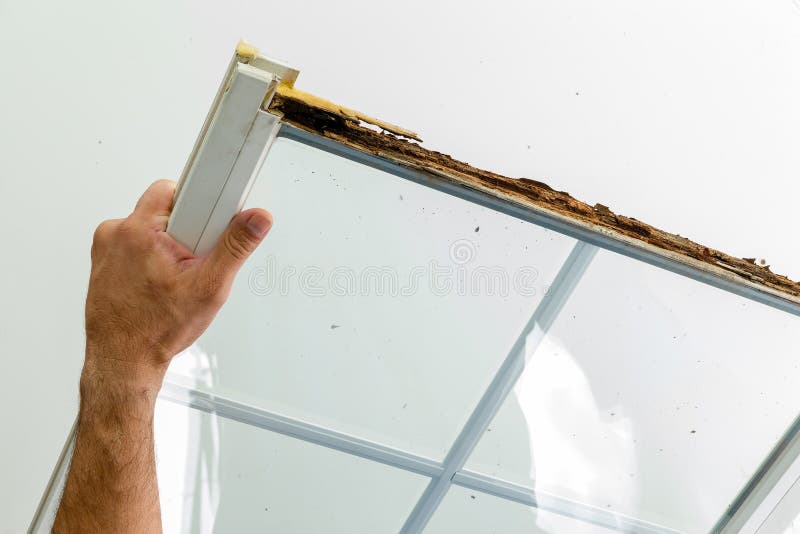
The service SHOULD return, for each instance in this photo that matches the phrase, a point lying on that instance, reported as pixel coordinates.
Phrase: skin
(149, 298)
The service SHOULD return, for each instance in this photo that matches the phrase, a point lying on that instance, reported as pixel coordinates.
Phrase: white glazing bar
(764, 489)
(540, 322)
(783, 515)
(178, 393)
(237, 411)
(556, 504)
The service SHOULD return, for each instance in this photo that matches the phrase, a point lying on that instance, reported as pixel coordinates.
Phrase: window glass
(652, 395)
(218, 475)
(376, 306)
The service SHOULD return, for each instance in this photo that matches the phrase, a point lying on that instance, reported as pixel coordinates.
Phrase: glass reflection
(653, 396)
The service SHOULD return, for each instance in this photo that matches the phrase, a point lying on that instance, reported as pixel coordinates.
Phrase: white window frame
(758, 500)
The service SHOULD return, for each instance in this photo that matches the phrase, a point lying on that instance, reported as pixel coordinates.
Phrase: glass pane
(653, 395)
(217, 475)
(367, 309)
(469, 512)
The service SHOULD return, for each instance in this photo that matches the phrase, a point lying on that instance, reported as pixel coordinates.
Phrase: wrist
(114, 401)
(131, 375)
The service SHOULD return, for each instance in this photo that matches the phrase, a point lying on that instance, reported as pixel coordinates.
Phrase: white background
(682, 114)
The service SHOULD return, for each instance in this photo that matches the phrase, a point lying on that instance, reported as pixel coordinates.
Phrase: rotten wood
(524, 191)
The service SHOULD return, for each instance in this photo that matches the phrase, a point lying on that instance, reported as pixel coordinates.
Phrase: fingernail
(258, 225)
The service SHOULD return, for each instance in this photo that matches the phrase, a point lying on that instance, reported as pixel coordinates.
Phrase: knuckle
(102, 235)
(102, 230)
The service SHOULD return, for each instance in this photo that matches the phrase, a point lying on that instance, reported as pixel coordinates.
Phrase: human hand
(149, 297)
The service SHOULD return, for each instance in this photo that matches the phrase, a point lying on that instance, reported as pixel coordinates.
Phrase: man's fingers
(157, 200)
(244, 233)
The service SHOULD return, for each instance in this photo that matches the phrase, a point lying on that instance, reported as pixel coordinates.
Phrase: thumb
(244, 233)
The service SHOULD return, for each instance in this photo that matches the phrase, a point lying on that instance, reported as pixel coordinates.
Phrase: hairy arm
(149, 298)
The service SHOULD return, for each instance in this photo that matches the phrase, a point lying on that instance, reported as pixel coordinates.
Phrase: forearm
(149, 299)
(111, 486)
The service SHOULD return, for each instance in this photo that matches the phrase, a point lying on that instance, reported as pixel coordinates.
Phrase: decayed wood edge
(533, 195)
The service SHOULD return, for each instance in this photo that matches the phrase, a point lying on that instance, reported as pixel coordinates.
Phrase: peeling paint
(304, 114)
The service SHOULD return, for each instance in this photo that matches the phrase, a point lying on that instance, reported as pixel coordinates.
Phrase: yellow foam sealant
(246, 50)
(331, 107)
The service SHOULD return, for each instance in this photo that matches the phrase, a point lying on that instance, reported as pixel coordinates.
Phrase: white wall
(683, 114)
